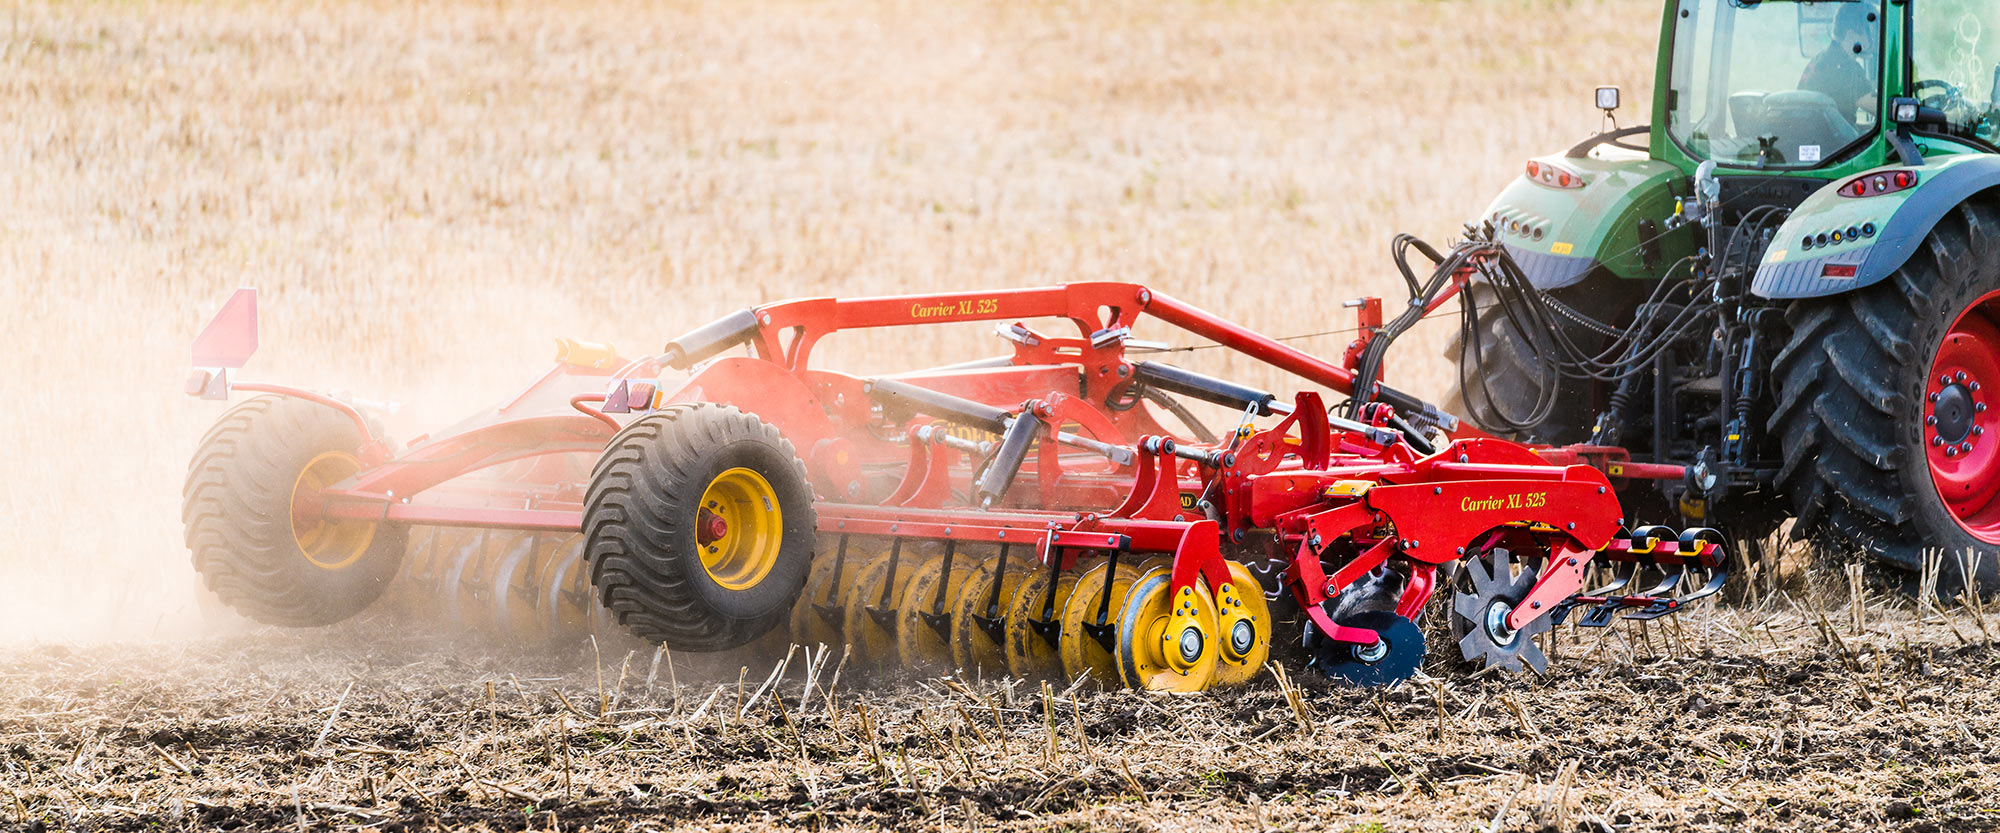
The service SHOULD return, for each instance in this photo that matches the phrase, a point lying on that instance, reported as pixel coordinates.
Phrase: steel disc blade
(1403, 655)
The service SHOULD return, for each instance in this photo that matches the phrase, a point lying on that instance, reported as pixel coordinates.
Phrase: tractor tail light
(1553, 176)
(1875, 184)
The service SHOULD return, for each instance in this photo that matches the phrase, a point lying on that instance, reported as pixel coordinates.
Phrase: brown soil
(1729, 719)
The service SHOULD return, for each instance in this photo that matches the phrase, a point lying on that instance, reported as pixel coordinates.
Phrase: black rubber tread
(1512, 376)
(638, 523)
(236, 510)
(1851, 382)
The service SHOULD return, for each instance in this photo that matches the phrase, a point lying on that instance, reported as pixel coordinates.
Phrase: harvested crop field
(1732, 719)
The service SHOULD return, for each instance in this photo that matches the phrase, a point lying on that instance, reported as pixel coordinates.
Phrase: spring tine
(1601, 615)
(1618, 581)
(1670, 578)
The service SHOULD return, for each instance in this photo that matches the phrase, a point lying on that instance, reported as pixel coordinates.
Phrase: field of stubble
(427, 194)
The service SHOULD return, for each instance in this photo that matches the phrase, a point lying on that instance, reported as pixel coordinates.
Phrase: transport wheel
(699, 527)
(973, 647)
(1168, 641)
(1485, 592)
(250, 508)
(1030, 653)
(1244, 620)
(869, 621)
(1886, 415)
(816, 616)
(923, 619)
(1393, 658)
(1096, 590)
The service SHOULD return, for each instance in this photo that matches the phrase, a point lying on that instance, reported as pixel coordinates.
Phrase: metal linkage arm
(1208, 388)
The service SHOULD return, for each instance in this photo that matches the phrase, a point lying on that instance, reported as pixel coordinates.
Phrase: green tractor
(1791, 287)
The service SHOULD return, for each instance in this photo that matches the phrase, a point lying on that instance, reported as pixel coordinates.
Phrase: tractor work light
(1878, 183)
(1607, 98)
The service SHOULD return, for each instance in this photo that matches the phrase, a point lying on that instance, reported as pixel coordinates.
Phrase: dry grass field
(427, 194)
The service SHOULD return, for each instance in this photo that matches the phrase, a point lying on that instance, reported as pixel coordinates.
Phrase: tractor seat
(1805, 119)
(1746, 113)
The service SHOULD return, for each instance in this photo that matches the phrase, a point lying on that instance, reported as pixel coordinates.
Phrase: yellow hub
(1167, 641)
(971, 647)
(917, 642)
(739, 527)
(329, 544)
(1244, 625)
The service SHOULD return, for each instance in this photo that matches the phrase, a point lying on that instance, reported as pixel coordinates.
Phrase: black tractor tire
(641, 517)
(1504, 378)
(237, 511)
(1852, 381)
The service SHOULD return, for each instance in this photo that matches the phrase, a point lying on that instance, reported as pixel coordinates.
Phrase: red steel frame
(1303, 482)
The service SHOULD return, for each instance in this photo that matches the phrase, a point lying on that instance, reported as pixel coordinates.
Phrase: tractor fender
(1611, 214)
(1890, 227)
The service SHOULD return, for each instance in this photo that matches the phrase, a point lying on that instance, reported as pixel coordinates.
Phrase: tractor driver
(1844, 71)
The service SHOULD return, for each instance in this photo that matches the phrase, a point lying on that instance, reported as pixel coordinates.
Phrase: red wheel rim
(1961, 434)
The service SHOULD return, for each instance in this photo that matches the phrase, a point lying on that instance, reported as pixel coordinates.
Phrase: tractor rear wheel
(1883, 392)
(699, 527)
(1499, 383)
(248, 511)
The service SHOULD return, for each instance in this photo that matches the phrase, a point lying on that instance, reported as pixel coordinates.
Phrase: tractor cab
(1774, 85)
(1808, 86)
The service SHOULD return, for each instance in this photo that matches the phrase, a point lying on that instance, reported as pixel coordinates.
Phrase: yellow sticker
(1349, 488)
(1775, 255)
(1561, 248)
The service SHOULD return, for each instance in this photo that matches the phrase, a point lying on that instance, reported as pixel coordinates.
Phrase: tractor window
(1774, 85)
(1955, 52)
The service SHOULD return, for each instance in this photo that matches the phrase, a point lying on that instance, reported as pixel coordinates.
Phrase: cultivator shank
(1058, 512)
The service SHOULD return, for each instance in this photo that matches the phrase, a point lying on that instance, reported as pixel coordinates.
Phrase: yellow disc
(1167, 640)
(918, 643)
(873, 642)
(816, 615)
(1029, 654)
(1244, 623)
(1082, 654)
(972, 647)
(741, 506)
(328, 544)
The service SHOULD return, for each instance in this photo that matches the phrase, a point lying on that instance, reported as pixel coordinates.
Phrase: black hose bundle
(1540, 321)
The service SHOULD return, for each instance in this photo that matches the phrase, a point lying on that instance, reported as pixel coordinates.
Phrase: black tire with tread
(1850, 383)
(639, 527)
(236, 510)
